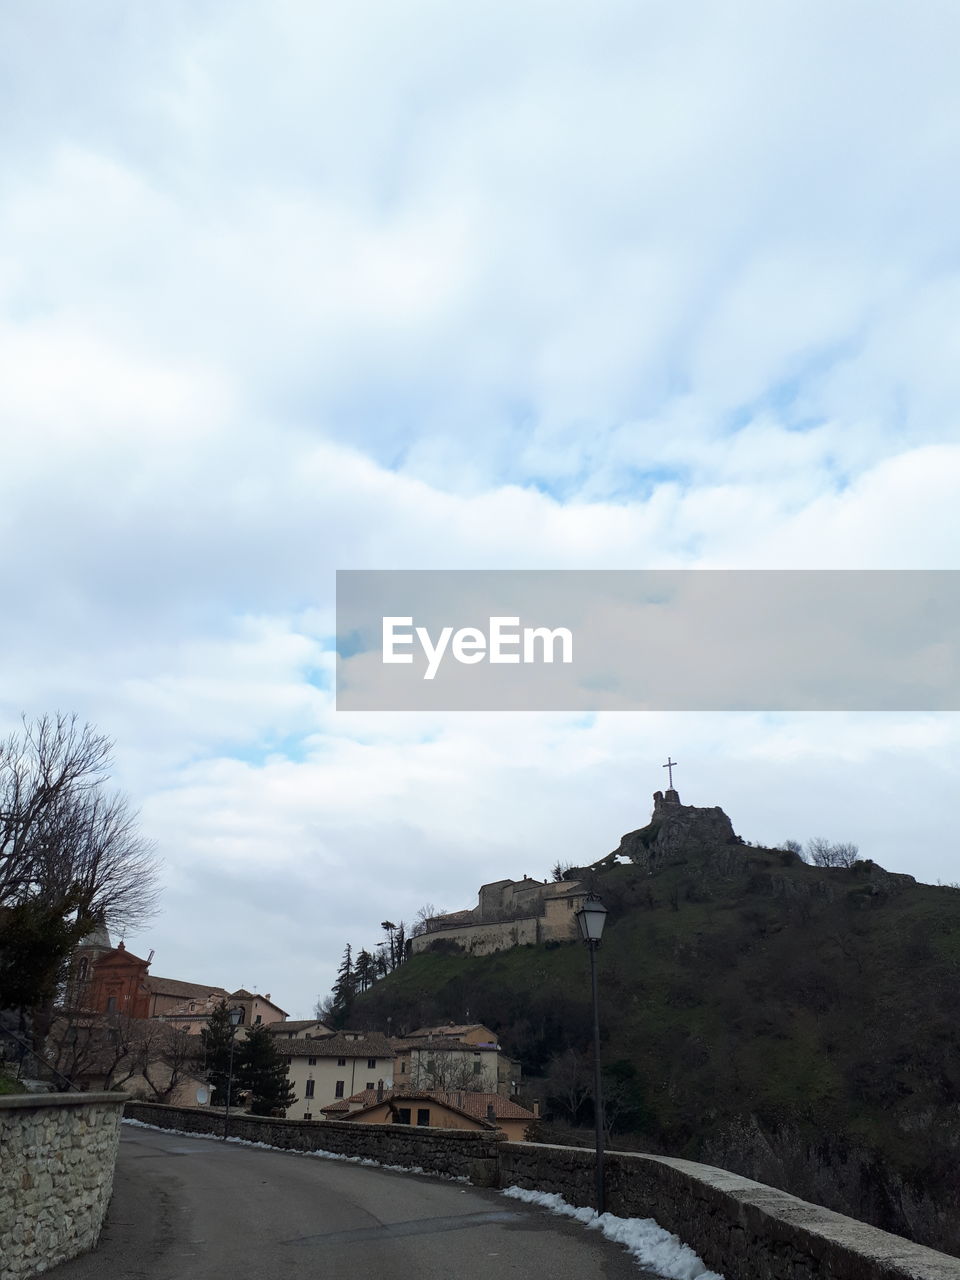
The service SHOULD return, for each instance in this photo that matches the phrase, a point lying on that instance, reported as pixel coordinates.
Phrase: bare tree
(50, 762)
(824, 854)
(569, 1081)
(71, 857)
(421, 921)
(445, 1069)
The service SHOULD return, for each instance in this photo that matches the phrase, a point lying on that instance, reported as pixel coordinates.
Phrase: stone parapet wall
(741, 1228)
(57, 1157)
(453, 1152)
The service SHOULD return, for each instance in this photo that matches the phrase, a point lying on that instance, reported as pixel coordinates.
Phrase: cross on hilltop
(670, 766)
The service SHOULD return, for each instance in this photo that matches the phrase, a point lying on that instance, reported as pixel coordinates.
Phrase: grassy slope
(750, 986)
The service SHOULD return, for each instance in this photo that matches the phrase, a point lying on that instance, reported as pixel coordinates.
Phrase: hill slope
(795, 1024)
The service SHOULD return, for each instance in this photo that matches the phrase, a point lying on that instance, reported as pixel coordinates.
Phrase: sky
(299, 287)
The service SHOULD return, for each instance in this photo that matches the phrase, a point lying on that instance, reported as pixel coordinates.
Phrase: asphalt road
(196, 1209)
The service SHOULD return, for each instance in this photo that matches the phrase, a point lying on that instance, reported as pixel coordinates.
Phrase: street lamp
(234, 1016)
(590, 920)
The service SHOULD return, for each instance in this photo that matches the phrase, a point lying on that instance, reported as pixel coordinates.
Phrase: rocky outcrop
(674, 832)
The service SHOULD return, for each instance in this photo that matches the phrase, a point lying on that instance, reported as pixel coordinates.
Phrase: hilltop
(795, 1023)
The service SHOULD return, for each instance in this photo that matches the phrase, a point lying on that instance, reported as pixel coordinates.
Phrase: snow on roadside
(645, 1239)
(290, 1151)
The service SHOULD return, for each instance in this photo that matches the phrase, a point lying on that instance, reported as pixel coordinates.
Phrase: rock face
(675, 831)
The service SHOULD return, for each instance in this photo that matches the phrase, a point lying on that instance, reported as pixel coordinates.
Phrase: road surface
(195, 1209)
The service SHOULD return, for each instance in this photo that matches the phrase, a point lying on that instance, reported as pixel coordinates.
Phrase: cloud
(389, 286)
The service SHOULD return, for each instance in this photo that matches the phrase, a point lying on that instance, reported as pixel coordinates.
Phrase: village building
(455, 1057)
(436, 1109)
(324, 1068)
(300, 1029)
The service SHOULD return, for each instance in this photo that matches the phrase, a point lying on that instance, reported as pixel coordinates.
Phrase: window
(111, 1004)
(84, 965)
(372, 1064)
(370, 1084)
(308, 1092)
(423, 1115)
(243, 1016)
(256, 1020)
(307, 1115)
(477, 1066)
(403, 1115)
(311, 1062)
(341, 1062)
(431, 1065)
(403, 1066)
(338, 1092)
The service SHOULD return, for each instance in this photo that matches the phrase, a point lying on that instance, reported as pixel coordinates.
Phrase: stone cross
(670, 766)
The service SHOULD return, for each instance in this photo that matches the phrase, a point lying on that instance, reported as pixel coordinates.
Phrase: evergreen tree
(365, 969)
(216, 1055)
(264, 1072)
(344, 989)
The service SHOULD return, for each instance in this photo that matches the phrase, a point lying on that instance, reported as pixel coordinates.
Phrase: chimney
(491, 1114)
(267, 996)
(535, 1108)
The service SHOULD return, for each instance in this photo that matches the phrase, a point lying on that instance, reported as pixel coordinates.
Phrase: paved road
(194, 1209)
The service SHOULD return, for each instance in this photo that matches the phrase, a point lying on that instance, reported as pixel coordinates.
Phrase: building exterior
(450, 1062)
(115, 982)
(301, 1029)
(323, 1069)
(438, 1109)
(194, 1014)
(509, 913)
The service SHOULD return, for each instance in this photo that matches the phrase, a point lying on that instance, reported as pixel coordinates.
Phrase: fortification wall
(57, 1157)
(484, 939)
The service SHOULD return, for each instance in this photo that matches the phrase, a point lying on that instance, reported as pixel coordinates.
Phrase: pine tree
(344, 989)
(365, 969)
(264, 1072)
(217, 1036)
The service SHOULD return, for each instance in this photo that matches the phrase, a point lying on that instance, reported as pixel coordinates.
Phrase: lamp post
(590, 920)
(234, 1015)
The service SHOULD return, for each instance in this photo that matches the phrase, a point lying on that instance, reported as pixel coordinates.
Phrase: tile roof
(173, 987)
(300, 1024)
(471, 1104)
(373, 1044)
(450, 1029)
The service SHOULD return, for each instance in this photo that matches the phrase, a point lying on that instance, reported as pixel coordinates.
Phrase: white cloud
(372, 285)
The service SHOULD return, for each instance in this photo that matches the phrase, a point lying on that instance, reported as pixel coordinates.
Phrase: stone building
(509, 913)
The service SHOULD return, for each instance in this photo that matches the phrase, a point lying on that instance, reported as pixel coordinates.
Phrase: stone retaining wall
(57, 1156)
(455, 1153)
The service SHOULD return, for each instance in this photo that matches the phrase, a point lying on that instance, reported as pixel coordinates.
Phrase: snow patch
(649, 1243)
(290, 1151)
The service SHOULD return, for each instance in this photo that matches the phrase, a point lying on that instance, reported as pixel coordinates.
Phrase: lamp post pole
(590, 919)
(593, 944)
(234, 1016)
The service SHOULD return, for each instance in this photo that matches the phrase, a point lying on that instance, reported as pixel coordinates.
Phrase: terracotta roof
(299, 1025)
(174, 987)
(372, 1045)
(445, 1046)
(471, 1104)
(450, 1029)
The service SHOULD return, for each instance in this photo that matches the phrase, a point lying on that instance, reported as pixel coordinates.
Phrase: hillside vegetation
(793, 1023)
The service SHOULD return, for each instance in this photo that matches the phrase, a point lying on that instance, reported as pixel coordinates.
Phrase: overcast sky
(293, 287)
